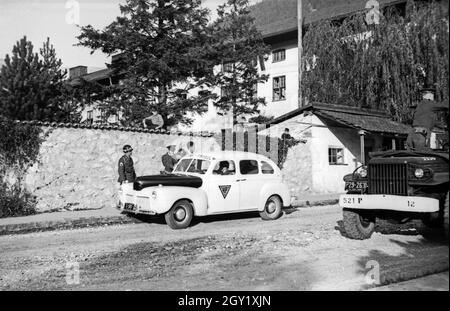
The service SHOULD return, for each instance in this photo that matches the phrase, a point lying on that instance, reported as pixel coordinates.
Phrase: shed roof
(373, 121)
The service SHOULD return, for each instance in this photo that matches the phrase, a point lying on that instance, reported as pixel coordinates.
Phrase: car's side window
(248, 167)
(225, 167)
(266, 168)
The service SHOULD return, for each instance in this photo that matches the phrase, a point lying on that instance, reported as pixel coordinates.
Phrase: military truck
(399, 186)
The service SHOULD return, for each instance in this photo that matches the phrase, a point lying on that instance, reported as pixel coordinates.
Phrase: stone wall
(77, 168)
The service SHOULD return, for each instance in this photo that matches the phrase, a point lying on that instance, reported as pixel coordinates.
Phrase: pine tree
(239, 46)
(32, 85)
(162, 47)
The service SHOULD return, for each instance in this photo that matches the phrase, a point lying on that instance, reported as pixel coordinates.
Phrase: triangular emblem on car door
(225, 190)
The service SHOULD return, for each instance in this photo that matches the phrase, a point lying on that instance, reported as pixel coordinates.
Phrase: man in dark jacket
(169, 160)
(126, 166)
(424, 121)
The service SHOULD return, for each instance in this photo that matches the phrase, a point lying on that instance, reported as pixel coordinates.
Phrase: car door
(250, 183)
(223, 189)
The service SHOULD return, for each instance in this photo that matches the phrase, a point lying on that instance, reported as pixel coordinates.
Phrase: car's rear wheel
(272, 208)
(358, 225)
(180, 215)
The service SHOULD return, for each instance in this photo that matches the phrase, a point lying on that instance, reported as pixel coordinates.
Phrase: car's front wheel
(180, 215)
(272, 208)
(358, 225)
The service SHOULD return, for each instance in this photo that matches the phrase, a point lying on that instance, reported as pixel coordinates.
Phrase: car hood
(167, 180)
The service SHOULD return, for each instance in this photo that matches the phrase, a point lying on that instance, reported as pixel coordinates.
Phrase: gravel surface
(303, 250)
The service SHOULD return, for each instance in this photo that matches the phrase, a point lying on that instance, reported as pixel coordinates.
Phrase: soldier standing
(126, 166)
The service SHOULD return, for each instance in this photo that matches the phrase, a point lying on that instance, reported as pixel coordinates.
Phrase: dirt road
(303, 250)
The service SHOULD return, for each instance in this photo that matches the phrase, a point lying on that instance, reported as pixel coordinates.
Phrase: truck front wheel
(358, 225)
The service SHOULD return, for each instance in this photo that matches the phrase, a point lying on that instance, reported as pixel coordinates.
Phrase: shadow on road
(414, 228)
(413, 259)
(204, 219)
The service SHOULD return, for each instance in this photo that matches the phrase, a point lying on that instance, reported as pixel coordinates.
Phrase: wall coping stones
(114, 128)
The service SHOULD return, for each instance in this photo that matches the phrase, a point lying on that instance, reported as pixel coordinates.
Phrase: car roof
(228, 155)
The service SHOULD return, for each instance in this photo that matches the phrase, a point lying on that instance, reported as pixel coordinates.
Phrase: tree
(239, 45)
(378, 66)
(32, 85)
(161, 57)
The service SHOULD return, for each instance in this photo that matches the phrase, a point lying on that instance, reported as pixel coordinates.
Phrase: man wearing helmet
(126, 166)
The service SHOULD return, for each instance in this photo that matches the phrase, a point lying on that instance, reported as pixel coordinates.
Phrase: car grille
(388, 179)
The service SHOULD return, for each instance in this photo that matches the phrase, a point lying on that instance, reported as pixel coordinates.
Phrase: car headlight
(154, 195)
(418, 173)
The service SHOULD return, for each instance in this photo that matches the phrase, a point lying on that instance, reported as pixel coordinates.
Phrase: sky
(39, 19)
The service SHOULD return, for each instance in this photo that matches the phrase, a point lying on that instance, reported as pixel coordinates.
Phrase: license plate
(356, 185)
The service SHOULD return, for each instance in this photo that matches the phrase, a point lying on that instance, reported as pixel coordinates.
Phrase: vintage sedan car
(208, 184)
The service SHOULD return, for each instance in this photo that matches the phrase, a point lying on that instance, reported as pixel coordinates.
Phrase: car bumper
(129, 202)
(389, 202)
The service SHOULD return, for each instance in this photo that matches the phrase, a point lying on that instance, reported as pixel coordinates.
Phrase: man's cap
(168, 146)
(127, 148)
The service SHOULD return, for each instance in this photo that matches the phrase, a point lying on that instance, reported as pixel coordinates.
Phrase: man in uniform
(126, 166)
(424, 121)
(169, 160)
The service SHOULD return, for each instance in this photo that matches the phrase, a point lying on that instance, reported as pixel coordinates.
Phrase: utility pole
(300, 49)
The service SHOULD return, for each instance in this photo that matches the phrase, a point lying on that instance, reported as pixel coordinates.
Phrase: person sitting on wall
(168, 160)
(154, 122)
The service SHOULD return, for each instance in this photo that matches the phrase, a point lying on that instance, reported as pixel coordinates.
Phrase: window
(225, 92)
(266, 168)
(198, 166)
(278, 55)
(224, 168)
(335, 156)
(279, 88)
(203, 93)
(248, 167)
(227, 67)
(90, 115)
(183, 165)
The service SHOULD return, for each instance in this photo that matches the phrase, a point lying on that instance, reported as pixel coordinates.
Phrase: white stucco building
(338, 140)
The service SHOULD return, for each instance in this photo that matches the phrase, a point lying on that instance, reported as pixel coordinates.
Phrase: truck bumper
(389, 202)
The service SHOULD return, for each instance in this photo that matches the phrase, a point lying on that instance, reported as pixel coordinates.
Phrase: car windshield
(196, 166)
(183, 165)
(199, 166)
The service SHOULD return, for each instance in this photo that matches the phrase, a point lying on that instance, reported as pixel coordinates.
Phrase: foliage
(378, 66)
(238, 45)
(161, 47)
(32, 85)
(19, 148)
(14, 201)
(19, 144)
